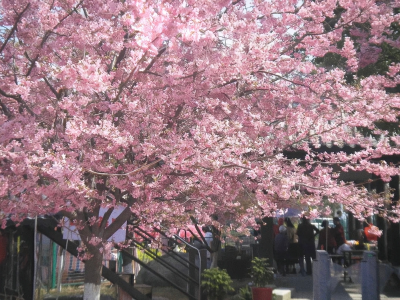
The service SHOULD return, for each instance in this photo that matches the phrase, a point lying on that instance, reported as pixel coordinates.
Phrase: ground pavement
(303, 288)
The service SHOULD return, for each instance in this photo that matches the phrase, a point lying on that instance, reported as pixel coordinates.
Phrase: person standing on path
(209, 239)
(306, 233)
(290, 231)
(213, 238)
(293, 248)
(326, 240)
(281, 247)
(338, 232)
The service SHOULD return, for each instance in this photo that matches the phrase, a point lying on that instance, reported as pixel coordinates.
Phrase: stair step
(144, 289)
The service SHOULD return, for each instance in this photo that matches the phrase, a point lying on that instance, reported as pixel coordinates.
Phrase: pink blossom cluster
(188, 108)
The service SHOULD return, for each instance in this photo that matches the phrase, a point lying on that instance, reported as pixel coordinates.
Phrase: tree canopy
(178, 108)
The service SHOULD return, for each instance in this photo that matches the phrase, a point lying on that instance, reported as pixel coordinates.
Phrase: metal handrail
(145, 266)
(164, 264)
(198, 252)
(141, 232)
(171, 252)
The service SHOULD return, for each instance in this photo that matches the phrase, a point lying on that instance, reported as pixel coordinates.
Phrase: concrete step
(283, 293)
(144, 289)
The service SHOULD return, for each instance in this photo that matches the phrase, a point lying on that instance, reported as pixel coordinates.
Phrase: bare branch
(129, 173)
(181, 174)
(288, 80)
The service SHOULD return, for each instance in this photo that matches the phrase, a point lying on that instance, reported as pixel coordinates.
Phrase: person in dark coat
(338, 232)
(281, 247)
(306, 233)
(326, 240)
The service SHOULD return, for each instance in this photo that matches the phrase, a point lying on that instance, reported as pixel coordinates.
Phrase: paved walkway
(303, 286)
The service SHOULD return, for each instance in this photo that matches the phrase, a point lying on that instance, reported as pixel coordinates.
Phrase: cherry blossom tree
(187, 108)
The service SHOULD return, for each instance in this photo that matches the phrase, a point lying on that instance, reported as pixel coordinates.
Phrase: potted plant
(216, 283)
(262, 275)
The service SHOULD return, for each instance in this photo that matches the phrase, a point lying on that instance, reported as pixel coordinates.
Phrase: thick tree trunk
(93, 269)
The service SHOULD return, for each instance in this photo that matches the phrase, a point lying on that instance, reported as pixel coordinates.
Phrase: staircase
(46, 227)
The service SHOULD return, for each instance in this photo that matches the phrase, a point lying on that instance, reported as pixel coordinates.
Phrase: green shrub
(216, 283)
(245, 293)
(261, 273)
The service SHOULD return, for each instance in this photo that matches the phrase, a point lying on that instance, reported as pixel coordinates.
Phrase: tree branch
(194, 74)
(70, 215)
(181, 174)
(6, 111)
(51, 88)
(47, 35)
(105, 219)
(19, 99)
(126, 174)
(160, 52)
(14, 27)
(118, 222)
(288, 80)
(124, 83)
(173, 120)
(151, 73)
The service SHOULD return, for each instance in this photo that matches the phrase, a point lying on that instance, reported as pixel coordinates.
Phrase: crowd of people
(293, 246)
